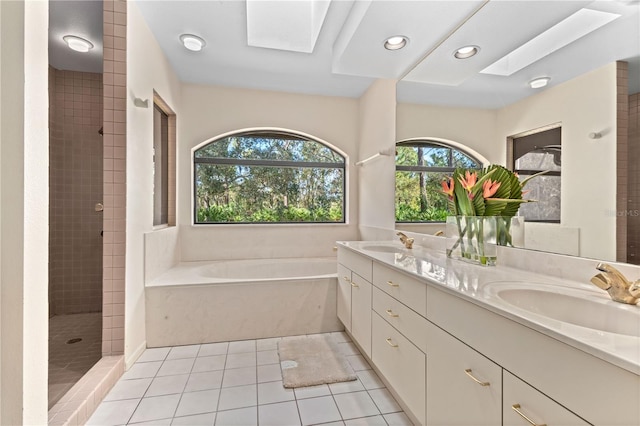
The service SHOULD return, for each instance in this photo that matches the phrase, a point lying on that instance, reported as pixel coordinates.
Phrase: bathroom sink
(569, 305)
(382, 248)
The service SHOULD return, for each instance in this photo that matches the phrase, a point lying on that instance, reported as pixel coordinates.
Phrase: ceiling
(348, 53)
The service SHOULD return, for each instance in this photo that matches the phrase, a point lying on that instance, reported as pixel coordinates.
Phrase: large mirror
(589, 54)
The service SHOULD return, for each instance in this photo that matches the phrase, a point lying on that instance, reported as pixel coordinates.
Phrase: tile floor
(69, 362)
(240, 383)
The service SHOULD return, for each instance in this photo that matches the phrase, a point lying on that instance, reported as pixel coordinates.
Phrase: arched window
(421, 166)
(268, 176)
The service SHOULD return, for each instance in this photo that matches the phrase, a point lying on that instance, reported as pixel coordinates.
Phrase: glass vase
(510, 231)
(472, 239)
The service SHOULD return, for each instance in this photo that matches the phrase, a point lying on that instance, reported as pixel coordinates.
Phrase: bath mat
(312, 360)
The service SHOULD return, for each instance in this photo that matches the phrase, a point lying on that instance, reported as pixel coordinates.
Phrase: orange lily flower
(489, 188)
(447, 187)
(469, 180)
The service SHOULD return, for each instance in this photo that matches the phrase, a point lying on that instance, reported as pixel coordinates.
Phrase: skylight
(563, 33)
(285, 25)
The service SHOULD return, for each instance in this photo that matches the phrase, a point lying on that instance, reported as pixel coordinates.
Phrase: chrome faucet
(616, 284)
(408, 242)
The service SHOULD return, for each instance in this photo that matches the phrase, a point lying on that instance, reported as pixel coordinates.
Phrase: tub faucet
(616, 284)
(408, 242)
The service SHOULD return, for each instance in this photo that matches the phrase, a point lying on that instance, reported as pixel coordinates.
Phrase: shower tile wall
(633, 219)
(75, 175)
(115, 187)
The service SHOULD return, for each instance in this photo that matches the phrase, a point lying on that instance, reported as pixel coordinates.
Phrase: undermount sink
(384, 248)
(574, 306)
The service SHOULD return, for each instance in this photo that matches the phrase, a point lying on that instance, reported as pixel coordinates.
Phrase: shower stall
(75, 226)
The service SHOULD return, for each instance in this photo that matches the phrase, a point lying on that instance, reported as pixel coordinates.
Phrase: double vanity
(461, 344)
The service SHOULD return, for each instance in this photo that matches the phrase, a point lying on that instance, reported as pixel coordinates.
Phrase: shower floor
(68, 362)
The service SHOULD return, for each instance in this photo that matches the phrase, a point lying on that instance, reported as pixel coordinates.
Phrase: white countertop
(481, 285)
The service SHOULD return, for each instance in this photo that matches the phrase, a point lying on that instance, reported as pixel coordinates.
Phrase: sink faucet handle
(600, 281)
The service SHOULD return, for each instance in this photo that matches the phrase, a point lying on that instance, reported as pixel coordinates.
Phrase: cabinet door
(463, 386)
(344, 296)
(525, 406)
(361, 312)
(401, 363)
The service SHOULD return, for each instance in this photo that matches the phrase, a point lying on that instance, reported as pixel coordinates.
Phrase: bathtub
(204, 302)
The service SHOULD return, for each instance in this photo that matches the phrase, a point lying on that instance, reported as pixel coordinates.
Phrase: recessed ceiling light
(77, 43)
(466, 52)
(539, 82)
(395, 42)
(192, 42)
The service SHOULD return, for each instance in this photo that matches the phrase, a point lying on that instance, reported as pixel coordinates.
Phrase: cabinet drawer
(407, 290)
(401, 363)
(343, 301)
(454, 396)
(531, 403)
(361, 265)
(406, 321)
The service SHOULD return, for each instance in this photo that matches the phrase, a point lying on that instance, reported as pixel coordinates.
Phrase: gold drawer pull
(390, 343)
(468, 373)
(346, 279)
(516, 408)
(392, 284)
(391, 314)
(354, 284)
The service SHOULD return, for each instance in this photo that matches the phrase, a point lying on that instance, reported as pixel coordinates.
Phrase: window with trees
(268, 177)
(421, 166)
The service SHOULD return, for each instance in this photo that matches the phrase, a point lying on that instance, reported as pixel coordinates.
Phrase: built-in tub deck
(204, 302)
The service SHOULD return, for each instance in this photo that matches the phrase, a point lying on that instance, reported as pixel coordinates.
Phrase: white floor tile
(269, 373)
(239, 377)
(176, 366)
(238, 397)
(370, 379)
(344, 387)
(154, 354)
(204, 381)
(268, 357)
(242, 417)
(167, 385)
(397, 419)
(267, 344)
(155, 408)
(179, 352)
(128, 389)
(312, 391)
(339, 423)
(198, 402)
(214, 349)
(318, 410)
(207, 419)
(245, 359)
(340, 336)
(358, 362)
(367, 421)
(280, 414)
(209, 363)
(354, 405)
(142, 370)
(242, 346)
(384, 401)
(160, 422)
(113, 412)
(271, 392)
(348, 348)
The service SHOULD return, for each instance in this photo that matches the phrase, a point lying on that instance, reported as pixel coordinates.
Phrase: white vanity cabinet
(463, 386)
(526, 406)
(354, 296)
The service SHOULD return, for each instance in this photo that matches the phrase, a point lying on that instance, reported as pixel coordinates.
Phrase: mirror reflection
(587, 201)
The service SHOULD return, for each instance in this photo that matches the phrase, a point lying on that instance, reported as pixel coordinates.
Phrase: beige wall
(474, 129)
(147, 70)
(583, 105)
(209, 111)
(24, 227)
(377, 127)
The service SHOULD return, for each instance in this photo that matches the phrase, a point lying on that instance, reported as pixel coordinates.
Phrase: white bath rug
(312, 360)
